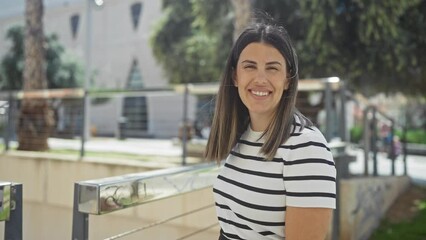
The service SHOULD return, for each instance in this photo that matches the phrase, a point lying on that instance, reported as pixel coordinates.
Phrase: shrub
(416, 136)
(356, 134)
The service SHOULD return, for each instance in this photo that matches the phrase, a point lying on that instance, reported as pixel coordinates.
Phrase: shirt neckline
(253, 135)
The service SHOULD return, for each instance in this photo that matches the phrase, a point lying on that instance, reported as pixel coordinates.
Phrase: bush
(356, 134)
(413, 229)
(2, 125)
(416, 136)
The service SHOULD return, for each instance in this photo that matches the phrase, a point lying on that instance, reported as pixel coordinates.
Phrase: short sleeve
(309, 172)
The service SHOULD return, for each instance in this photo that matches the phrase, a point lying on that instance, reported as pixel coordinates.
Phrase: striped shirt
(252, 194)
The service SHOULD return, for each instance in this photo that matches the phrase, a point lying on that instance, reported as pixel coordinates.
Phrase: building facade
(112, 38)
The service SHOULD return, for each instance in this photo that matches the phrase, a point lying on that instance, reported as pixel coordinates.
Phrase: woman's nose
(261, 76)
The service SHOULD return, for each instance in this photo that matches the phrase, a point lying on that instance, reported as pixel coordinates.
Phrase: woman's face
(261, 79)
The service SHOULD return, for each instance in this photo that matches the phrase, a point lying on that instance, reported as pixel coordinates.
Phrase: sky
(9, 8)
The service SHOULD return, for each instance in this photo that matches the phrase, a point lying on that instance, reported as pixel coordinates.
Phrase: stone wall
(364, 201)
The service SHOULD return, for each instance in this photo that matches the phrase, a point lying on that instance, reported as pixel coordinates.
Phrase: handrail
(338, 148)
(102, 196)
(370, 139)
(11, 209)
(194, 88)
(106, 195)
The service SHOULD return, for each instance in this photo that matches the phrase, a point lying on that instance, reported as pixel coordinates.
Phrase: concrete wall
(48, 183)
(165, 113)
(364, 201)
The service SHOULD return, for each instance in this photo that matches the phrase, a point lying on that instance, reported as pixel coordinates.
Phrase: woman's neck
(259, 122)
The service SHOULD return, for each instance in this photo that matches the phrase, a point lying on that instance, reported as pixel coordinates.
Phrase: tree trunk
(36, 117)
(242, 10)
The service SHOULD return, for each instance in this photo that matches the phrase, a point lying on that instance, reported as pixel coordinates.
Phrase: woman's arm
(307, 223)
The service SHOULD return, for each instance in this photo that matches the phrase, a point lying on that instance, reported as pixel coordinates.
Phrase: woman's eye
(272, 68)
(249, 67)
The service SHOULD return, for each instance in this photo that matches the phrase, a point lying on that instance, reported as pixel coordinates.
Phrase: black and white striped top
(252, 194)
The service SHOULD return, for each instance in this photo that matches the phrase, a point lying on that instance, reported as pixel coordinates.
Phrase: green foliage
(192, 39)
(366, 42)
(356, 134)
(2, 126)
(407, 230)
(12, 65)
(375, 45)
(412, 136)
(62, 69)
(416, 136)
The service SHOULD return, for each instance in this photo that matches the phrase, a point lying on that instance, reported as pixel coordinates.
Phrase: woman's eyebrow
(273, 62)
(248, 61)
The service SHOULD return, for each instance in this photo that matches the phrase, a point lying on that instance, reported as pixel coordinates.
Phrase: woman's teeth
(257, 93)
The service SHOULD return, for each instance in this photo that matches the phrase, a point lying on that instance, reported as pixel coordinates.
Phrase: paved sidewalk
(157, 147)
(416, 165)
(171, 148)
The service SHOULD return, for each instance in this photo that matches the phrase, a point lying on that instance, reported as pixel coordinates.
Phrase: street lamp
(99, 2)
(333, 80)
(88, 50)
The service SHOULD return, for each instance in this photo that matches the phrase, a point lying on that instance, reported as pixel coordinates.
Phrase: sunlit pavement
(416, 165)
(159, 147)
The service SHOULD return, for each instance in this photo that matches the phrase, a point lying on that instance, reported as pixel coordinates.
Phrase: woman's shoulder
(305, 133)
(306, 143)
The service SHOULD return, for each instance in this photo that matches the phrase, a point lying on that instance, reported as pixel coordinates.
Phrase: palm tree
(36, 117)
(242, 15)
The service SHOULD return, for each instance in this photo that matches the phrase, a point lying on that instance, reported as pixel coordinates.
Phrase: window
(135, 110)
(135, 10)
(74, 20)
(135, 80)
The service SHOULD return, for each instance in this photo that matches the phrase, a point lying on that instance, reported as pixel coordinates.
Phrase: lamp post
(85, 133)
(329, 120)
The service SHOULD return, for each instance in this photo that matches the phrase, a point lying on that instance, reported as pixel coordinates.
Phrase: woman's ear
(234, 78)
(287, 84)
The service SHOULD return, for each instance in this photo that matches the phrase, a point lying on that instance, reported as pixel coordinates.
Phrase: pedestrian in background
(278, 178)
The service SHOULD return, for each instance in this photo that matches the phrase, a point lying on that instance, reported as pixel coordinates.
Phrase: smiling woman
(278, 178)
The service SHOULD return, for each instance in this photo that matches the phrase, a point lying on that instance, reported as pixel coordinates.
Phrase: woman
(278, 180)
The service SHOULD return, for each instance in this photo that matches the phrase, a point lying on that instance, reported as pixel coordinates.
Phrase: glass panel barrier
(111, 194)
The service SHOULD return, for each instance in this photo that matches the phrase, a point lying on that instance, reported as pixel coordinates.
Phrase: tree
(13, 63)
(374, 45)
(36, 117)
(365, 42)
(242, 9)
(63, 70)
(192, 39)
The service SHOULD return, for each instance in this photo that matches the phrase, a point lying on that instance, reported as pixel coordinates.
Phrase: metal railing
(106, 195)
(11, 210)
(370, 140)
(131, 114)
